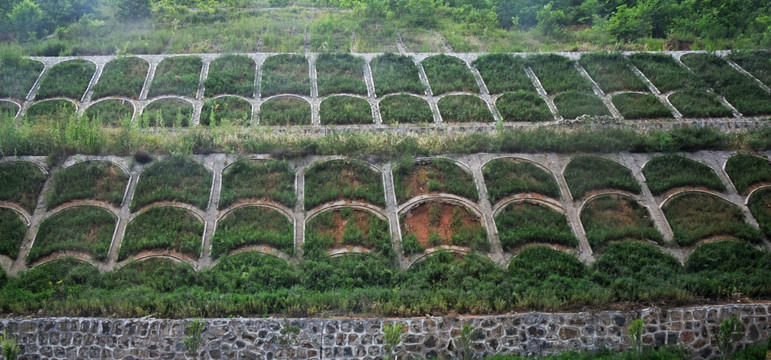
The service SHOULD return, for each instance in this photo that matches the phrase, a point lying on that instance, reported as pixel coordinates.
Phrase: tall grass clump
(447, 74)
(505, 177)
(50, 113)
(177, 178)
(664, 71)
(249, 273)
(503, 73)
(614, 217)
(611, 72)
(224, 110)
(66, 79)
(8, 109)
(340, 73)
(558, 74)
(405, 109)
(667, 172)
(572, 104)
(342, 179)
(12, 230)
(464, 109)
(523, 106)
(345, 110)
(285, 74)
(760, 206)
(232, 75)
(696, 216)
(163, 228)
(96, 180)
(347, 227)
(110, 112)
(253, 225)
(124, 76)
(640, 106)
(698, 103)
(285, 111)
(177, 75)
(171, 113)
(522, 223)
(271, 180)
(728, 268)
(746, 170)
(413, 178)
(394, 73)
(755, 62)
(17, 74)
(81, 228)
(21, 182)
(587, 173)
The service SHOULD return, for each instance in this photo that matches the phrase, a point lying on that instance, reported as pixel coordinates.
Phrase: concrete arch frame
(356, 205)
(265, 249)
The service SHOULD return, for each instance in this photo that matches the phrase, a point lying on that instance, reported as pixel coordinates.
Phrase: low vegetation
(226, 110)
(747, 170)
(8, 109)
(667, 172)
(524, 222)
(634, 106)
(572, 104)
(68, 79)
(285, 74)
(179, 75)
(50, 113)
(177, 178)
(82, 228)
(611, 72)
(614, 217)
(760, 206)
(253, 225)
(755, 62)
(405, 109)
(664, 71)
(505, 177)
(558, 74)
(448, 74)
(21, 183)
(17, 75)
(12, 230)
(413, 179)
(345, 110)
(342, 179)
(728, 269)
(170, 113)
(523, 106)
(588, 173)
(346, 227)
(432, 224)
(340, 74)
(271, 180)
(696, 103)
(231, 75)
(503, 73)
(124, 76)
(285, 111)
(464, 109)
(396, 73)
(696, 216)
(164, 228)
(95, 180)
(110, 112)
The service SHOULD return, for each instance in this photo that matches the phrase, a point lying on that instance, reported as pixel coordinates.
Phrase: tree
(629, 23)
(132, 9)
(25, 19)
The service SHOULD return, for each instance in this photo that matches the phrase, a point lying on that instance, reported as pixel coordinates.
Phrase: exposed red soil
(337, 227)
(418, 221)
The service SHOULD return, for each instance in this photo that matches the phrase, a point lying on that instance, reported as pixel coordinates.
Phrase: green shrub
(285, 74)
(724, 268)
(522, 223)
(340, 73)
(345, 110)
(698, 103)
(396, 73)
(664, 71)
(454, 279)
(464, 109)
(8, 109)
(226, 110)
(558, 74)
(253, 225)
(412, 179)
(523, 106)
(667, 172)
(285, 111)
(349, 274)
(505, 177)
(640, 106)
(696, 216)
(572, 104)
(503, 73)
(81, 228)
(179, 75)
(406, 109)
(12, 230)
(265, 179)
(50, 113)
(163, 228)
(167, 113)
(17, 75)
(611, 72)
(614, 217)
(67, 79)
(232, 75)
(96, 180)
(158, 274)
(587, 173)
(747, 170)
(177, 178)
(124, 76)
(21, 183)
(760, 206)
(346, 227)
(447, 74)
(431, 224)
(110, 112)
(755, 62)
(248, 273)
(342, 179)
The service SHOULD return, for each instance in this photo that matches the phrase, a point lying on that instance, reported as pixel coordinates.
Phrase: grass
(124, 76)
(760, 206)
(523, 106)
(234, 32)
(729, 269)
(340, 73)
(271, 180)
(22, 182)
(81, 228)
(697, 216)
(179, 75)
(345, 110)
(396, 73)
(285, 111)
(614, 217)
(572, 104)
(346, 227)
(50, 113)
(664, 71)
(611, 72)
(177, 178)
(18, 75)
(449, 74)
(755, 62)
(667, 172)
(588, 173)
(12, 230)
(232, 75)
(163, 228)
(505, 177)
(226, 110)
(327, 34)
(464, 109)
(342, 179)
(405, 109)
(640, 106)
(110, 112)
(503, 73)
(253, 225)
(558, 74)
(746, 170)
(698, 104)
(95, 180)
(285, 74)
(66, 79)
(412, 179)
(8, 109)
(169, 112)
(432, 224)
(522, 223)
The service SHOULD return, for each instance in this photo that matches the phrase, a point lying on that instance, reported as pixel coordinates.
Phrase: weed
(438, 175)
(464, 109)
(169, 112)
(611, 72)
(640, 106)
(340, 73)
(404, 108)
(698, 103)
(664, 71)
(110, 112)
(727, 335)
(285, 74)
(503, 73)
(345, 110)
(760, 206)
(558, 74)
(50, 113)
(80, 228)
(755, 62)
(67, 79)
(17, 75)
(747, 170)
(667, 172)
(587, 173)
(635, 333)
(97, 180)
(523, 106)
(572, 104)
(22, 182)
(12, 230)
(448, 74)
(696, 216)
(267, 179)
(285, 111)
(396, 73)
(9, 346)
(392, 337)
(253, 225)
(232, 75)
(193, 336)
(174, 179)
(226, 110)
(235, 32)
(179, 75)
(124, 76)
(163, 228)
(342, 179)
(505, 177)
(613, 217)
(522, 223)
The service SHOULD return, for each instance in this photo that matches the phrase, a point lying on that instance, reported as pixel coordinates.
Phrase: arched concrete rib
(244, 203)
(325, 159)
(443, 198)
(342, 251)
(14, 102)
(520, 159)
(508, 256)
(157, 254)
(414, 259)
(131, 102)
(112, 160)
(532, 198)
(714, 193)
(755, 188)
(339, 204)
(33, 103)
(23, 214)
(83, 256)
(115, 211)
(200, 214)
(605, 192)
(263, 249)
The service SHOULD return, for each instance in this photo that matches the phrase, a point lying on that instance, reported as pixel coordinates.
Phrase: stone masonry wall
(362, 338)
